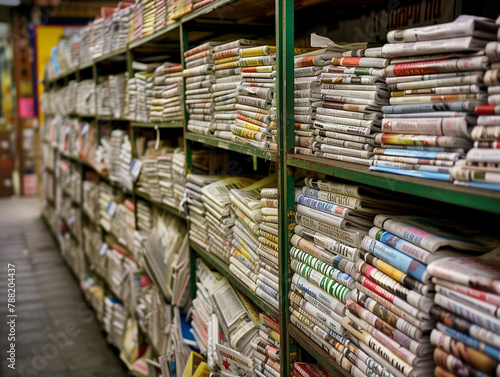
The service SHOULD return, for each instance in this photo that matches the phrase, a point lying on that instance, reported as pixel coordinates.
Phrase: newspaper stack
(114, 320)
(135, 97)
(266, 348)
(394, 283)
(171, 96)
(244, 260)
(179, 175)
(157, 102)
(308, 67)
(85, 98)
(84, 54)
(267, 251)
(467, 307)
(226, 78)
(481, 166)
(176, 9)
(255, 94)
(144, 216)
(120, 26)
(112, 157)
(200, 3)
(435, 86)
(116, 92)
(160, 14)
(144, 94)
(353, 91)
(199, 100)
(165, 176)
(97, 38)
(90, 200)
(105, 198)
(149, 181)
(148, 17)
(135, 25)
(125, 159)
(219, 215)
(198, 229)
(123, 223)
(325, 248)
(103, 99)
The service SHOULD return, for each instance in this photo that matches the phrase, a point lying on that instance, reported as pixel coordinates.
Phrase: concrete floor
(56, 334)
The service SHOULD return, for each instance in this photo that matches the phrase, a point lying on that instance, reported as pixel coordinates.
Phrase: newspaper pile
(179, 176)
(255, 94)
(86, 98)
(225, 324)
(325, 248)
(120, 26)
(467, 307)
(111, 95)
(123, 223)
(317, 370)
(113, 148)
(338, 112)
(198, 228)
(244, 261)
(266, 348)
(170, 98)
(97, 37)
(165, 176)
(176, 9)
(435, 83)
(160, 14)
(219, 215)
(144, 215)
(480, 168)
(226, 78)
(105, 198)
(90, 200)
(136, 97)
(199, 98)
(267, 250)
(135, 24)
(84, 55)
(114, 320)
(149, 180)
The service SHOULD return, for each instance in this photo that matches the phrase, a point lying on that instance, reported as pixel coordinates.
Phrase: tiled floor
(56, 333)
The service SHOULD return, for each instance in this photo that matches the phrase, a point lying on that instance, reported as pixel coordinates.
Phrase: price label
(103, 249)
(111, 208)
(135, 169)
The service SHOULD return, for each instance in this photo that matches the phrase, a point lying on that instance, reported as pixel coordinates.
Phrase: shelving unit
(185, 33)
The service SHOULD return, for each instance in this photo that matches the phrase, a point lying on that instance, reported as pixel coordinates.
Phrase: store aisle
(56, 334)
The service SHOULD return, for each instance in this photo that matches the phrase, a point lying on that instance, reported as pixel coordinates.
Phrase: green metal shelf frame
(485, 200)
(172, 124)
(223, 269)
(231, 146)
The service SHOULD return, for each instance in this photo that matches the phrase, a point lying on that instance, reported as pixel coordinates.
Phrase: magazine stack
(435, 83)
(467, 307)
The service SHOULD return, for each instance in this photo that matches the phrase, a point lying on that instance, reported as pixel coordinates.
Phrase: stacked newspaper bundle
(149, 180)
(394, 282)
(176, 9)
(250, 239)
(105, 198)
(198, 74)
(125, 159)
(255, 94)
(480, 168)
(90, 200)
(227, 77)
(120, 26)
(148, 17)
(308, 67)
(219, 215)
(123, 223)
(266, 348)
(331, 219)
(179, 175)
(135, 24)
(267, 251)
(114, 320)
(97, 38)
(135, 97)
(198, 229)
(171, 96)
(435, 82)
(165, 177)
(144, 216)
(116, 92)
(160, 14)
(225, 325)
(467, 307)
(157, 102)
(112, 157)
(85, 98)
(84, 54)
